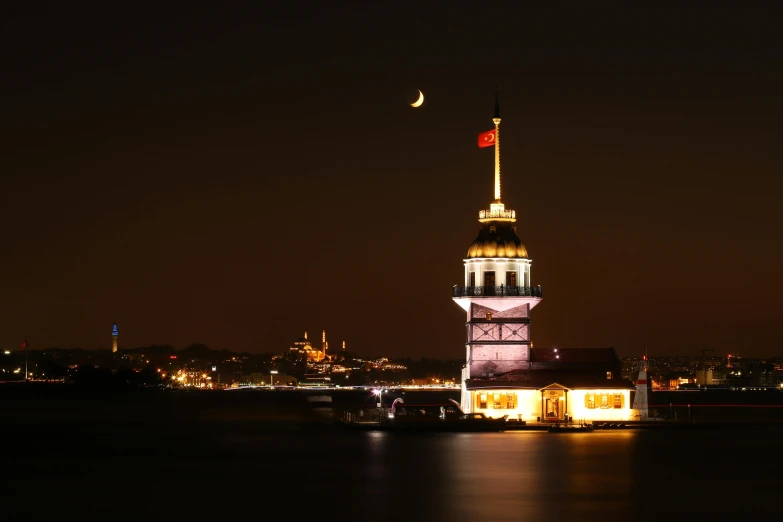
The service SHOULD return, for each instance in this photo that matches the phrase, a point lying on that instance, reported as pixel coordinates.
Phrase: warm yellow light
(418, 102)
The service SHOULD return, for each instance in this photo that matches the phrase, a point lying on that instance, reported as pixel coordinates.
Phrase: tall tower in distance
(497, 293)
(115, 334)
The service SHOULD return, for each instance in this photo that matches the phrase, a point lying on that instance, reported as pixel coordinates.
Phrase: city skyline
(235, 178)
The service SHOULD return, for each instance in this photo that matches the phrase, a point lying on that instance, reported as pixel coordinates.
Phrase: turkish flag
(23, 344)
(486, 139)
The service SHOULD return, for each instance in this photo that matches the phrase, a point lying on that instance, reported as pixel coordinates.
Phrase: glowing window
(590, 401)
(618, 400)
(482, 400)
(604, 401)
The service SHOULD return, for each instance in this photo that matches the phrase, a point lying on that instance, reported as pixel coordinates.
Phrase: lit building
(115, 335)
(503, 375)
(302, 349)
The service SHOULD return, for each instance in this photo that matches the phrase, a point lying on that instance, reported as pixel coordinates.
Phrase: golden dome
(497, 239)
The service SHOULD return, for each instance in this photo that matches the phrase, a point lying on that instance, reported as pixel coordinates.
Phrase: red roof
(537, 379)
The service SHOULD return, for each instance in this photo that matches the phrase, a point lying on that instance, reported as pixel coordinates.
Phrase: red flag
(486, 139)
(24, 344)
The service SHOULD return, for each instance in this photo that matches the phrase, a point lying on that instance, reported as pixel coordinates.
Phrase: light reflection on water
(505, 476)
(163, 470)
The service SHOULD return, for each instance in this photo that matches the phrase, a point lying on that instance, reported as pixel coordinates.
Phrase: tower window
(473, 279)
(489, 278)
(511, 279)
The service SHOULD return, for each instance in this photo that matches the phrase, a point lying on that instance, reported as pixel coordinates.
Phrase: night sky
(236, 177)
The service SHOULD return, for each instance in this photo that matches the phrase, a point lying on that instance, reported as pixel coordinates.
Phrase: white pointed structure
(497, 294)
(640, 400)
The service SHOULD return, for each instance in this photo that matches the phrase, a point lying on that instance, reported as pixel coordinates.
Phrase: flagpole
(496, 121)
(25, 359)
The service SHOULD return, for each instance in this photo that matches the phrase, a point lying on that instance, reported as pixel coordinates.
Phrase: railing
(497, 214)
(497, 291)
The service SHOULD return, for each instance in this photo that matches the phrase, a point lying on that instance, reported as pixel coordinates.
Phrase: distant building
(503, 374)
(303, 350)
(115, 336)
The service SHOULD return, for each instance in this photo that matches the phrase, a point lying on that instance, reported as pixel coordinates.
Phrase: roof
(497, 239)
(574, 355)
(537, 379)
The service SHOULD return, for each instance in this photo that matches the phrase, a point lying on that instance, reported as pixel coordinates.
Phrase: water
(201, 457)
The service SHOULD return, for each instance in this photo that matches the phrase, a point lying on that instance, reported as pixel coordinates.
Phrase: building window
(590, 401)
(511, 279)
(499, 401)
(618, 400)
(604, 401)
(473, 279)
(489, 278)
(608, 375)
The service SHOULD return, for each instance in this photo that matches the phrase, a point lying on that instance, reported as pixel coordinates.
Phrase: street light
(271, 379)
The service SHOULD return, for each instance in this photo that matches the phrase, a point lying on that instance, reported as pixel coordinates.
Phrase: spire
(496, 121)
(497, 210)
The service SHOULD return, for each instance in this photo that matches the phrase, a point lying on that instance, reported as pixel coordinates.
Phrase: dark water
(252, 457)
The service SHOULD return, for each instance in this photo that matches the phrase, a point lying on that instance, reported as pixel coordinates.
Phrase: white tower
(497, 294)
(640, 397)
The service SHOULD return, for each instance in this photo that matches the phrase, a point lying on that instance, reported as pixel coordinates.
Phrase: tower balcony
(497, 291)
(497, 212)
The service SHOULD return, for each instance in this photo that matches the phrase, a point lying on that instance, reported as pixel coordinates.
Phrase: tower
(115, 334)
(497, 294)
(640, 397)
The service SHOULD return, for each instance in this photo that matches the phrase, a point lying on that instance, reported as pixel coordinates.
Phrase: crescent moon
(418, 102)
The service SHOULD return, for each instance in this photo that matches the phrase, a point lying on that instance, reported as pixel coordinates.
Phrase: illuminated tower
(115, 334)
(497, 293)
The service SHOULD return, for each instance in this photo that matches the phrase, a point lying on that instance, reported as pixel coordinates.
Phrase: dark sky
(238, 176)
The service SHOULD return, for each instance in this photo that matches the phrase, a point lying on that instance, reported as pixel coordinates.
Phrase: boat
(434, 417)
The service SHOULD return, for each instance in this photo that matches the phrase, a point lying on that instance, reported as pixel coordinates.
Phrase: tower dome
(497, 239)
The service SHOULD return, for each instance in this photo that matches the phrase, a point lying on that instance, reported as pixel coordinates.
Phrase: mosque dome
(497, 239)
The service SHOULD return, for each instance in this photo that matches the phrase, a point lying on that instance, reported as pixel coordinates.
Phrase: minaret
(324, 344)
(497, 293)
(115, 335)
